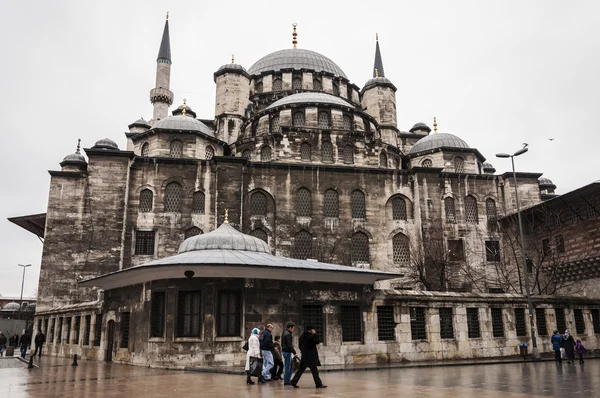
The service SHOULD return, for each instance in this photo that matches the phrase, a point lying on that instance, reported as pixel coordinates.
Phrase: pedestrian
(581, 350)
(14, 341)
(25, 343)
(3, 341)
(40, 339)
(266, 350)
(253, 352)
(556, 346)
(569, 346)
(310, 357)
(277, 368)
(288, 352)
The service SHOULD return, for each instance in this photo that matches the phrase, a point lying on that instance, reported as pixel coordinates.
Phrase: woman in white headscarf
(569, 346)
(253, 352)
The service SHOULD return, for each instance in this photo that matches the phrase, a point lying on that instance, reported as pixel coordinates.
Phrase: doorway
(110, 340)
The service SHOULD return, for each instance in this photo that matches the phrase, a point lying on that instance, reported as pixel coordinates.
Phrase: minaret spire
(160, 96)
(165, 45)
(378, 67)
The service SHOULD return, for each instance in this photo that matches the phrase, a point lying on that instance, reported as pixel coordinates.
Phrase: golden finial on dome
(78, 145)
(226, 216)
(167, 15)
(294, 35)
(232, 58)
(184, 107)
(434, 125)
(376, 73)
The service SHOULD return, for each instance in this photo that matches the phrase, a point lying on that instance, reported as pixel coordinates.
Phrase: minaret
(160, 96)
(378, 66)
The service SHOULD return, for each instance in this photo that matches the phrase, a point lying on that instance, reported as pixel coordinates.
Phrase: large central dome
(295, 58)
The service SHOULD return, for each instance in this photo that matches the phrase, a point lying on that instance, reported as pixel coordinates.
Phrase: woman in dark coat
(310, 357)
(569, 346)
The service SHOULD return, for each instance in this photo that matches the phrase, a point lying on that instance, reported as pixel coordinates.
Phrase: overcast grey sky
(497, 74)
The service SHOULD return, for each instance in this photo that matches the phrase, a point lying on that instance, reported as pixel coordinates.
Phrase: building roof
(76, 157)
(34, 223)
(225, 237)
(106, 143)
(320, 98)
(182, 123)
(11, 307)
(140, 123)
(440, 140)
(165, 44)
(378, 65)
(420, 126)
(378, 81)
(295, 58)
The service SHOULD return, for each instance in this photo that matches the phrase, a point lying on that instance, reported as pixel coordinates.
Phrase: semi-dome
(420, 126)
(106, 143)
(319, 98)
(435, 141)
(224, 238)
(295, 58)
(182, 123)
(12, 306)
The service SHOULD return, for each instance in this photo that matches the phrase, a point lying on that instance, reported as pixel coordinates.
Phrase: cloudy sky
(496, 74)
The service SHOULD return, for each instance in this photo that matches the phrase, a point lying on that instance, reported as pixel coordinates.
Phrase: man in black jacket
(40, 339)
(289, 353)
(266, 350)
(3, 341)
(25, 343)
(310, 357)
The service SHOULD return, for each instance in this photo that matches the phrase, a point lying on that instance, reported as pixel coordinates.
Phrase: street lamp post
(22, 285)
(534, 350)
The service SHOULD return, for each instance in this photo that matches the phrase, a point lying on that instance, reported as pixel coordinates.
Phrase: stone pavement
(56, 378)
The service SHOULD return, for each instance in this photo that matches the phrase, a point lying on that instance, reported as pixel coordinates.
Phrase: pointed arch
(173, 193)
(277, 84)
(260, 234)
(459, 165)
(348, 154)
(193, 231)
(297, 83)
(258, 204)
(358, 204)
(265, 154)
(347, 122)
(471, 213)
(145, 149)
(399, 211)
(209, 152)
(298, 119)
(305, 152)
(303, 245)
(383, 160)
(303, 203)
(176, 149)
(198, 202)
(331, 207)
(400, 249)
(146, 201)
(275, 125)
(359, 250)
(450, 209)
(327, 152)
(324, 120)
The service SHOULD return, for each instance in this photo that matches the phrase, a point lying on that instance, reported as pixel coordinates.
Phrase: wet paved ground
(56, 378)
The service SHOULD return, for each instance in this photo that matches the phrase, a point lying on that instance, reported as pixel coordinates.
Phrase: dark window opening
(596, 319)
(399, 209)
(312, 315)
(497, 322)
(68, 326)
(144, 243)
(360, 248)
(88, 330)
(385, 323)
(446, 323)
(260, 234)
(303, 245)
(188, 314)
(520, 323)
(473, 323)
(492, 250)
(229, 313)
(456, 250)
(146, 201)
(331, 204)
(351, 323)
(77, 329)
(540, 318)
(418, 329)
(60, 330)
(450, 210)
(125, 320)
(259, 204)
(98, 330)
(579, 321)
(157, 314)
(173, 193)
(358, 205)
(560, 244)
(561, 322)
(198, 202)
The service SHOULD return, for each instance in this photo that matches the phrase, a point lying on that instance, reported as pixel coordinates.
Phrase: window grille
(198, 202)
(327, 152)
(492, 250)
(303, 245)
(596, 319)
(275, 126)
(188, 314)
(459, 165)
(265, 154)
(497, 322)
(351, 323)
(193, 231)
(157, 314)
(579, 321)
(427, 163)
(209, 152)
(60, 330)
(349, 154)
(360, 248)
(450, 210)
(173, 193)
(520, 323)
(401, 249)
(317, 85)
(145, 149)
(456, 250)
(98, 330)
(561, 322)
(146, 200)
(357, 204)
(336, 88)
(331, 203)
(490, 210)
(51, 332)
(540, 319)
(323, 120)
(305, 152)
(303, 203)
(418, 328)
(312, 315)
(68, 326)
(176, 149)
(125, 321)
(229, 315)
(383, 160)
(298, 120)
(144, 243)
(77, 329)
(247, 153)
(471, 215)
(446, 323)
(560, 244)
(297, 83)
(591, 209)
(347, 122)
(398, 209)
(259, 204)
(258, 87)
(385, 323)
(88, 329)
(367, 125)
(260, 234)
(277, 84)
(473, 323)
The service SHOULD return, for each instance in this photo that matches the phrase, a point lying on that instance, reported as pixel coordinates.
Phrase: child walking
(580, 349)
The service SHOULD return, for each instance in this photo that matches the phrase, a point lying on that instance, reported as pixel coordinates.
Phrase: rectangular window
(596, 319)
(188, 314)
(60, 329)
(51, 332)
(473, 323)
(77, 329)
(492, 250)
(579, 321)
(313, 315)
(68, 326)
(98, 330)
(446, 323)
(540, 319)
(125, 318)
(88, 330)
(351, 323)
(417, 323)
(229, 312)
(546, 247)
(497, 322)
(520, 323)
(561, 323)
(157, 315)
(39, 324)
(144, 243)
(560, 244)
(456, 250)
(385, 323)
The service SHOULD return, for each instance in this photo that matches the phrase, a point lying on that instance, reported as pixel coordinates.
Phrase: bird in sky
(551, 139)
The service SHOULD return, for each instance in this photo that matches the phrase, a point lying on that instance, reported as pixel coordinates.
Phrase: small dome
(440, 140)
(183, 123)
(546, 183)
(76, 157)
(106, 143)
(140, 123)
(320, 98)
(378, 81)
(420, 126)
(12, 306)
(488, 167)
(295, 58)
(188, 111)
(224, 238)
(232, 67)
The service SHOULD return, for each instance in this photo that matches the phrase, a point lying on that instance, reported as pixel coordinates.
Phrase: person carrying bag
(254, 362)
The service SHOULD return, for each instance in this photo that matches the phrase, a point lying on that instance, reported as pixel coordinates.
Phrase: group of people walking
(566, 346)
(23, 342)
(268, 356)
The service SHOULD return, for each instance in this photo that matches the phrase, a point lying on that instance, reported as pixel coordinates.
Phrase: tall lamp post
(535, 354)
(22, 285)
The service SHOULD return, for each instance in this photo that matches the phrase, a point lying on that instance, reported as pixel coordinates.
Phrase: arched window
(491, 213)
(317, 85)
(323, 120)
(303, 203)
(198, 202)
(305, 152)
(275, 127)
(347, 120)
(327, 152)
(176, 149)
(173, 193)
(349, 154)
(260, 234)
(146, 200)
(459, 165)
(331, 204)
(247, 153)
(277, 84)
(258, 87)
(396, 162)
(265, 154)
(450, 210)
(349, 91)
(398, 209)
(193, 232)
(303, 245)
(357, 204)
(230, 126)
(145, 149)
(209, 152)
(427, 163)
(297, 83)
(367, 124)
(471, 215)
(400, 249)
(298, 120)
(359, 248)
(336, 88)
(258, 204)
(383, 160)
(254, 128)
